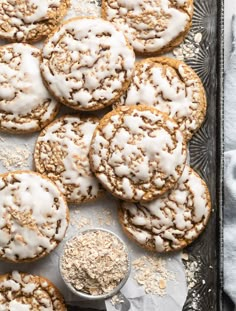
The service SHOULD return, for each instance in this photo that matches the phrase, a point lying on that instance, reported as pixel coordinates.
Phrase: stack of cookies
(137, 151)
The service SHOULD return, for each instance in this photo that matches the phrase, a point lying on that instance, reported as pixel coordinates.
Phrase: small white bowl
(103, 296)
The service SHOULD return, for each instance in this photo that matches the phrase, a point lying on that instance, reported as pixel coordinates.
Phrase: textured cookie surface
(137, 153)
(30, 20)
(172, 87)
(61, 153)
(27, 292)
(87, 63)
(33, 216)
(150, 25)
(25, 104)
(172, 221)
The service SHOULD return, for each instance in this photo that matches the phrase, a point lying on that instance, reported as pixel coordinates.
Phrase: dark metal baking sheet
(206, 156)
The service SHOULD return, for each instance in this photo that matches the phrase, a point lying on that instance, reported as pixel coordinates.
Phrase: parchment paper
(101, 213)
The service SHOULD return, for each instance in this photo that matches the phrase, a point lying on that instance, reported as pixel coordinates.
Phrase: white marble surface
(230, 9)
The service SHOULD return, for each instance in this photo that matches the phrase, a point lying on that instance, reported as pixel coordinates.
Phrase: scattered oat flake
(185, 256)
(14, 157)
(189, 48)
(85, 8)
(192, 271)
(80, 221)
(105, 218)
(198, 37)
(117, 300)
(152, 274)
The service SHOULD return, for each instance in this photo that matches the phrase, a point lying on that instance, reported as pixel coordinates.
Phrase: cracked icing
(30, 20)
(33, 216)
(26, 292)
(61, 153)
(172, 87)
(87, 63)
(150, 25)
(25, 104)
(172, 221)
(137, 153)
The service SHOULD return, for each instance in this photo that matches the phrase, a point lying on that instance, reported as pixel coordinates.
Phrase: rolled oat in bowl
(95, 264)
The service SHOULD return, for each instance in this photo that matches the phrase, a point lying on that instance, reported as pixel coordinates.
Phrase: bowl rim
(106, 295)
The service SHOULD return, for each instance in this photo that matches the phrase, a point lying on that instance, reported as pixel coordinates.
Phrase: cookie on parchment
(61, 153)
(34, 216)
(172, 221)
(151, 26)
(87, 63)
(172, 87)
(137, 153)
(25, 104)
(30, 20)
(23, 291)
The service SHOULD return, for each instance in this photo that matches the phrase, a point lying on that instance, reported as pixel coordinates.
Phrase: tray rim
(220, 149)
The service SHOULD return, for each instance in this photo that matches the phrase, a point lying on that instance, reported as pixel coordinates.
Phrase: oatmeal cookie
(172, 87)
(25, 104)
(27, 292)
(30, 20)
(151, 26)
(172, 221)
(87, 63)
(137, 152)
(61, 153)
(33, 216)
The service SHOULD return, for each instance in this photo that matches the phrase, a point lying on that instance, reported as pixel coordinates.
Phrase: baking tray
(206, 156)
(206, 152)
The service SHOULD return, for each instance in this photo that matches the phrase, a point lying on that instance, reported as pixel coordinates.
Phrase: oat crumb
(117, 300)
(189, 48)
(15, 157)
(152, 274)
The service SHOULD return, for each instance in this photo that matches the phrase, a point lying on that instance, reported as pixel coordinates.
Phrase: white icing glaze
(62, 154)
(173, 220)
(149, 25)
(16, 306)
(21, 20)
(35, 223)
(142, 153)
(36, 297)
(25, 103)
(87, 63)
(170, 90)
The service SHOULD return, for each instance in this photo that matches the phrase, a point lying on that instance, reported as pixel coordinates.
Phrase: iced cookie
(137, 153)
(151, 26)
(25, 104)
(87, 63)
(27, 292)
(172, 221)
(172, 87)
(30, 20)
(61, 153)
(33, 216)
